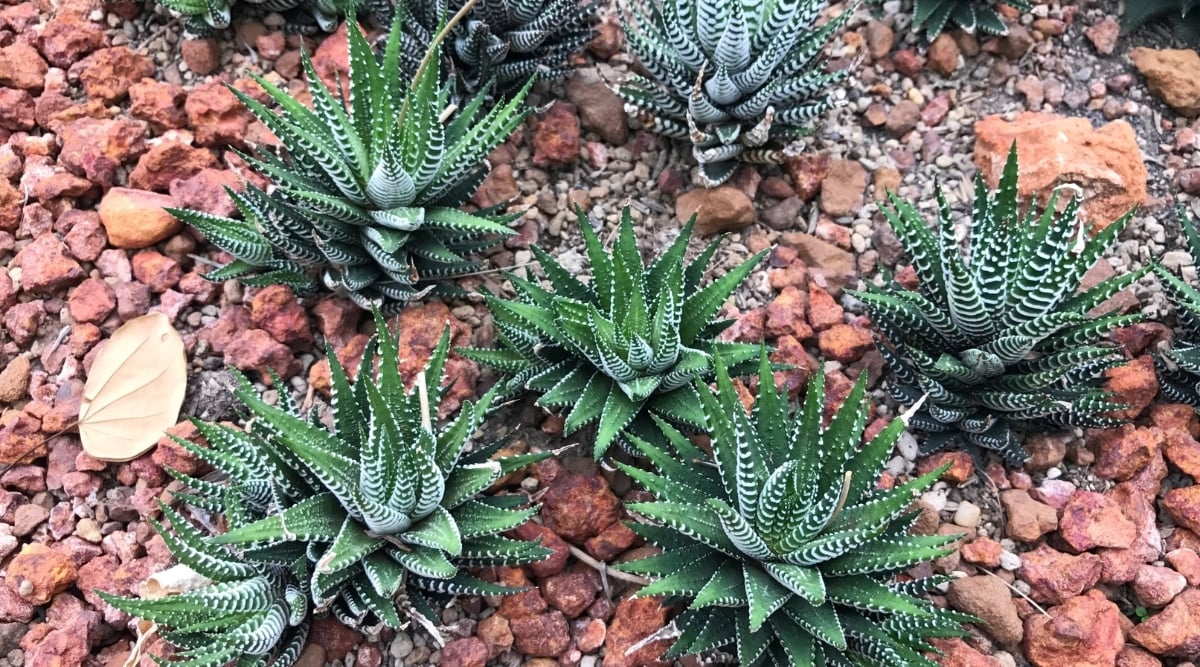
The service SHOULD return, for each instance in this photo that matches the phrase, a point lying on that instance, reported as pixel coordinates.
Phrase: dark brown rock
(541, 636)
(579, 507)
(556, 137)
(635, 619)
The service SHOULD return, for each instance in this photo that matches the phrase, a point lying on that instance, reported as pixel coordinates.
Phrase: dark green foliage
(1182, 15)
(1178, 366)
(306, 16)
(367, 520)
(623, 346)
(366, 201)
(779, 542)
(999, 338)
(739, 80)
(505, 42)
(971, 15)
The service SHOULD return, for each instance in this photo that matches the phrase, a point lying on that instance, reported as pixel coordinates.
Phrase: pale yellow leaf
(135, 389)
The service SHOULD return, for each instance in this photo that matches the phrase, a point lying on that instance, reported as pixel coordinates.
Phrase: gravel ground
(647, 174)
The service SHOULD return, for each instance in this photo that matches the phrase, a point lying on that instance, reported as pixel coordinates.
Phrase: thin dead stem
(604, 569)
(438, 39)
(1018, 592)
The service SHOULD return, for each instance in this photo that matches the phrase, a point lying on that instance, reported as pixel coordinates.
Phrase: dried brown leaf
(135, 389)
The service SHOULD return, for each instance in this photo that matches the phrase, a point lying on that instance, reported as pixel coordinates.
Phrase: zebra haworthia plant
(779, 543)
(1178, 365)
(366, 200)
(504, 41)
(623, 346)
(973, 16)
(368, 519)
(1000, 337)
(1182, 14)
(739, 80)
(254, 612)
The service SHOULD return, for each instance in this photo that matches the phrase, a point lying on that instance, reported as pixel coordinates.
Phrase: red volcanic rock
(45, 267)
(155, 270)
(421, 328)
(16, 110)
(1186, 562)
(1156, 586)
(786, 315)
(957, 653)
(962, 466)
(571, 592)
(541, 636)
(1122, 452)
(1183, 506)
(982, 551)
(1134, 384)
(466, 652)
(22, 67)
(1091, 520)
(555, 562)
(202, 56)
(205, 191)
(274, 309)
(1105, 161)
(1122, 565)
(556, 137)
(39, 573)
(495, 633)
(158, 103)
(255, 350)
(1028, 519)
(635, 619)
(92, 301)
(68, 37)
(611, 542)
(108, 74)
(331, 635)
(1055, 577)
(845, 343)
(337, 319)
(168, 161)
(1174, 632)
(1182, 450)
(579, 507)
(525, 603)
(332, 58)
(1085, 631)
(136, 218)
(989, 599)
(217, 116)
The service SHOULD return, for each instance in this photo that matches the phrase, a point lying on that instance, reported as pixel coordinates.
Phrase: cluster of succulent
(1178, 365)
(999, 338)
(366, 201)
(367, 520)
(778, 542)
(203, 17)
(739, 80)
(625, 346)
(502, 41)
(972, 16)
